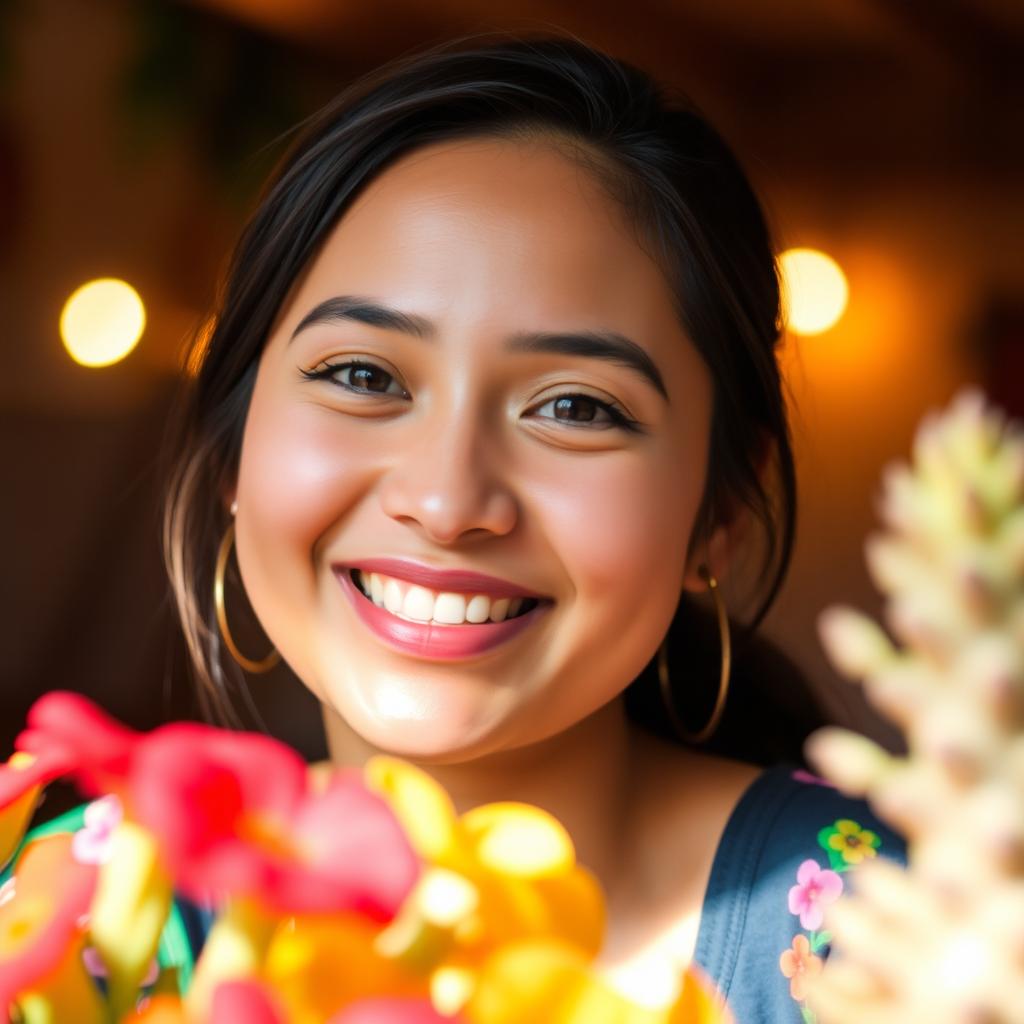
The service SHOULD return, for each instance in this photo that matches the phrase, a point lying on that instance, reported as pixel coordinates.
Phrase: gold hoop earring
(723, 682)
(222, 619)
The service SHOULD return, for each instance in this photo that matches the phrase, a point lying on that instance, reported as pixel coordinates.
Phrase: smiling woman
(491, 396)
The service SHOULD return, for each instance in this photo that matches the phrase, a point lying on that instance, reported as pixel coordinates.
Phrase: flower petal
(244, 1002)
(422, 806)
(391, 1011)
(74, 732)
(808, 872)
(518, 839)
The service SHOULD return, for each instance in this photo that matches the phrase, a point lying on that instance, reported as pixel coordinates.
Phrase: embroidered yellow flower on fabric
(847, 843)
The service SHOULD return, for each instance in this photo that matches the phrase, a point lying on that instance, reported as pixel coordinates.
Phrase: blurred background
(134, 135)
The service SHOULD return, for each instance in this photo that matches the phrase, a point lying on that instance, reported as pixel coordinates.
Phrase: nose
(448, 483)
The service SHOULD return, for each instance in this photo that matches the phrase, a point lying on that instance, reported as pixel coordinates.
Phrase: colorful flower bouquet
(349, 898)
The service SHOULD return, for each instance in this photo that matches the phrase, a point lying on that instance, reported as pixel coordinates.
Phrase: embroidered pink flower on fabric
(816, 888)
(91, 844)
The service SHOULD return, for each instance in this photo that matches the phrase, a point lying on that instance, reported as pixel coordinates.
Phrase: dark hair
(682, 190)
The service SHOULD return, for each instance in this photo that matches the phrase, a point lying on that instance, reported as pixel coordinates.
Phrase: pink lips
(429, 640)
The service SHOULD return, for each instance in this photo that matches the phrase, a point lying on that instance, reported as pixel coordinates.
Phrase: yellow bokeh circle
(102, 322)
(814, 290)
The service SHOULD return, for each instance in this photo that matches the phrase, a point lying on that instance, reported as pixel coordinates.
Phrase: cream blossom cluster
(942, 940)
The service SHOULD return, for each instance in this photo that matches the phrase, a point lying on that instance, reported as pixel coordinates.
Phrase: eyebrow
(607, 345)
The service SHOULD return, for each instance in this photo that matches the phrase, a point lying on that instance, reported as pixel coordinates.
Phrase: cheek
(296, 479)
(623, 529)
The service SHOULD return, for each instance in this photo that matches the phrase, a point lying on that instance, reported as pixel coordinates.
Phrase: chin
(408, 719)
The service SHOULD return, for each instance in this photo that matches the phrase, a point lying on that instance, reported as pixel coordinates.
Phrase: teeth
(392, 594)
(450, 608)
(420, 604)
(478, 609)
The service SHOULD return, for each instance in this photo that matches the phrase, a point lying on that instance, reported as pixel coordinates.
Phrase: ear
(727, 537)
(718, 552)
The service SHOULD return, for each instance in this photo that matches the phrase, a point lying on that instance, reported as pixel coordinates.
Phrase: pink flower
(815, 889)
(234, 814)
(245, 1002)
(391, 1011)
(91, 843)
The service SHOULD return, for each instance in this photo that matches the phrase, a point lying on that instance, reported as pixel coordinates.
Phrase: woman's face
(450, 444)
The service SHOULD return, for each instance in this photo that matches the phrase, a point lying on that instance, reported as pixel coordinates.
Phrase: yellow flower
(128, 911)
(498, 874)
(852, 842)
(548, 980)
(319, 964)
(16, 815)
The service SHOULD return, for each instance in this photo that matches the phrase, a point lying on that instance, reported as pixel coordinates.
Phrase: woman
(490, 398)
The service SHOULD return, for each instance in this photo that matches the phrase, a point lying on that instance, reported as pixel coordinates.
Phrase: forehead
(495, 229)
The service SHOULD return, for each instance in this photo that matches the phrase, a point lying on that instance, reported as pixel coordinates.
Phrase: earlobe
(716, 554)
(229, 498)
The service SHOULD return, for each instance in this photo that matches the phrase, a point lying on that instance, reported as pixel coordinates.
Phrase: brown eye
(580, 410)
(577, 408)
(365, 377)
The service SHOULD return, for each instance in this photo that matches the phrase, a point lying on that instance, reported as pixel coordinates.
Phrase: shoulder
(91, 824)
(786, 853)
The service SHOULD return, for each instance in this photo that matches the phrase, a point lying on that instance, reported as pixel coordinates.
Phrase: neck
(583, 777)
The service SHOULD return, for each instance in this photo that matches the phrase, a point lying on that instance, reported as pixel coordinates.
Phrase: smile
(415, 603)
(438, 625)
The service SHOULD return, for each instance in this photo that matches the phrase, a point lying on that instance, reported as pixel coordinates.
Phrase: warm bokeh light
(814, 290)
(102, 322)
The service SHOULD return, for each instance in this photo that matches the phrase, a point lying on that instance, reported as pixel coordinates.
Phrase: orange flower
(798, 964)
(40, 913)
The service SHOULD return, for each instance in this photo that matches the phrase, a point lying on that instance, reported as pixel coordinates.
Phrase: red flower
(68, 734)
(234, 814)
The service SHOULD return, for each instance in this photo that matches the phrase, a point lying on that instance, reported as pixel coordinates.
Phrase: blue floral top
(784, 855)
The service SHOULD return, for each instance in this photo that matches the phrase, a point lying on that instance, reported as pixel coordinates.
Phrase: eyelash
(328, 370)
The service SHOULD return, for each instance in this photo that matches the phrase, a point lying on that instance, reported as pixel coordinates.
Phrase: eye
(579, 410)
(363, 378)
